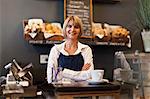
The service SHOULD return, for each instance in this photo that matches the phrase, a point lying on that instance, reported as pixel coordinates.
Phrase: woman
(75, 58)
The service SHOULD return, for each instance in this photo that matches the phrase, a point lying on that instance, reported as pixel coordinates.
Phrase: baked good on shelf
(120, 32)
(110, 33)
(53, 28)
(33, 29)
(56, 28)
(120, 35)
(48, 28)
(36, 29)
(101, 34)
(34, 26)
(53, 32)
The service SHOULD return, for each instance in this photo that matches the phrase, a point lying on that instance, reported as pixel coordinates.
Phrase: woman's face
(72, 31)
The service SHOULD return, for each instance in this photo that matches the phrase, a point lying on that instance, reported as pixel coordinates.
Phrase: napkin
(76, 75)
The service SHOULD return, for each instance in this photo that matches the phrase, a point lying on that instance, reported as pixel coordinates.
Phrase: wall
(14, 46)
(0, 35)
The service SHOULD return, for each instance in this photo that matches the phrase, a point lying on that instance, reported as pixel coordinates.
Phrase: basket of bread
(110, 33)
(37, 29)
(53, 31)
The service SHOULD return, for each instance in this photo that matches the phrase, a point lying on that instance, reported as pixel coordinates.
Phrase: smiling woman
(72, 55)
(73, 25)
(82, 9)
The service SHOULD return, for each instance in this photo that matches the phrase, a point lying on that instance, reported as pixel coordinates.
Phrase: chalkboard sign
(82, 9)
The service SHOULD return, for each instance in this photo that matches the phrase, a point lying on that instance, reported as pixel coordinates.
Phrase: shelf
(107, 1)
(39, 39)
(89, 42)
(44, 42)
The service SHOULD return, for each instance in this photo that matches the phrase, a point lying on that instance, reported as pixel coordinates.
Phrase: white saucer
(97, 82)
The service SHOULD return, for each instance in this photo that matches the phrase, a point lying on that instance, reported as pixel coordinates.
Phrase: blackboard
(82, 9)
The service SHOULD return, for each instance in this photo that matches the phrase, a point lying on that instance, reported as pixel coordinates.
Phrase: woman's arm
(88, 59)
(76, 75)
(52, 64)
(86, 66)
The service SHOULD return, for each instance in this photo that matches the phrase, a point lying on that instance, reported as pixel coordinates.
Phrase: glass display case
(133, 68)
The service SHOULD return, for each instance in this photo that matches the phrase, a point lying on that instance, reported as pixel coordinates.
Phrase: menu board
(82, 9)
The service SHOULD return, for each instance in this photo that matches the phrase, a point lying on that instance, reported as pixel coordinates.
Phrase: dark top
(73, 62)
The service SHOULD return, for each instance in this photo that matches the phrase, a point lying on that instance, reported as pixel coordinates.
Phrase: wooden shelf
(39, 39)
(44, 42)
(89, 42)
(107, 1)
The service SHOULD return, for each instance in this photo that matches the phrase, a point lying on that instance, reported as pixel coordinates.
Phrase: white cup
(97, 75)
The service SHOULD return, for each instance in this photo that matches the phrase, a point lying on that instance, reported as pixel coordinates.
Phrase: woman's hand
(86, 66)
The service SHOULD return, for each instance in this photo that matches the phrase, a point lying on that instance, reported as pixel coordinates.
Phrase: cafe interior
(24, 55)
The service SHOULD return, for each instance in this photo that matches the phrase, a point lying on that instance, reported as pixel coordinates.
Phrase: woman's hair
(77, 22)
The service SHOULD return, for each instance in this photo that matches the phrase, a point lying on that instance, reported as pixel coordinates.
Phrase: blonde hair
(77, 21)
